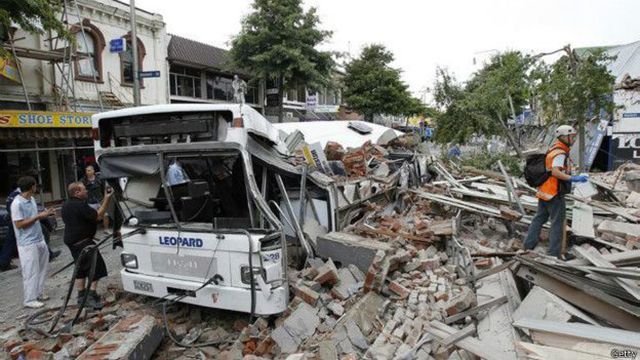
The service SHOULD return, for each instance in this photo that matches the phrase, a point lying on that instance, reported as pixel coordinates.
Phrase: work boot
(97, 301)
(53, 255)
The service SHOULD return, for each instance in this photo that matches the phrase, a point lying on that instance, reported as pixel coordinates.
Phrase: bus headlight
(245, 275)
(129, 261)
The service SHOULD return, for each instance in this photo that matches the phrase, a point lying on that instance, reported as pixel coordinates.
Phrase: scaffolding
(62, 54)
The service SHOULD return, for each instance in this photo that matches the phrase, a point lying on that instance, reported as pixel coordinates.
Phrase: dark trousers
(554, 211)
(9, 249)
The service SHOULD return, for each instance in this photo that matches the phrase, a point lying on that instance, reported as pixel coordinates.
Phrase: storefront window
(185, 82)
(219, 88)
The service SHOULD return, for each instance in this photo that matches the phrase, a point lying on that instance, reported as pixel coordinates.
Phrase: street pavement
(11, 308)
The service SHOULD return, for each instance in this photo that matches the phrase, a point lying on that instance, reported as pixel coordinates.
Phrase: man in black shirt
(81, 222)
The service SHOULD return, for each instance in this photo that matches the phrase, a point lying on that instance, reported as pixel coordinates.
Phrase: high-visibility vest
(550, 188)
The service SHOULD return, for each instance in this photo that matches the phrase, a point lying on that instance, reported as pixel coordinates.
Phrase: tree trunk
(280, 98)
(582, 144)
(509, 136)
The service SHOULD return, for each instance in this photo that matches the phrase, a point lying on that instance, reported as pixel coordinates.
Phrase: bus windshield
(205, 189)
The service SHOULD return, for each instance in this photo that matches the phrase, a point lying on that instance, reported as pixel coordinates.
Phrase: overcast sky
(424, 34)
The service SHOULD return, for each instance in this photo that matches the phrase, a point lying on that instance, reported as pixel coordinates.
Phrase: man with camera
(81, 222)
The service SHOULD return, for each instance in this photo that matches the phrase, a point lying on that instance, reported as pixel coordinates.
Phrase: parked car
(49, 224)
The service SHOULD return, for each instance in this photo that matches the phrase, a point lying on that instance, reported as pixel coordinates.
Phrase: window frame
(142, 52)
(98, 47)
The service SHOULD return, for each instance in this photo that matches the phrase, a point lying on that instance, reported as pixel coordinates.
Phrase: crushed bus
(221, 202)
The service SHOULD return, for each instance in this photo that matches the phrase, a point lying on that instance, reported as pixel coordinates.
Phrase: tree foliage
(573, 87)
(34, 16)
(372, 86)
(279, 40)
(479, 106)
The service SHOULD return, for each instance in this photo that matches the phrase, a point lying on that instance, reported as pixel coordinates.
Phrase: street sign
(118, 45)
(149, 74)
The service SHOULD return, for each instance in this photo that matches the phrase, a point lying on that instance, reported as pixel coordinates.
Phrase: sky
(426, 34)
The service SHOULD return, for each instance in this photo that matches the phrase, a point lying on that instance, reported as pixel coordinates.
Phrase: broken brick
(307, 294)
(398, 289)
(327, 274)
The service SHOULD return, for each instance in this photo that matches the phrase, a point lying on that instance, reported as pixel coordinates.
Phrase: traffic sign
(118, 45)
(149, 74)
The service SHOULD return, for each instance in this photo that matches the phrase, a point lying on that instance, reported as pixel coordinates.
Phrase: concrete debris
(406, 275)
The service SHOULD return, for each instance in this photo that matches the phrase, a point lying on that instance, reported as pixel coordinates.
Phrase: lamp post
(134, 53)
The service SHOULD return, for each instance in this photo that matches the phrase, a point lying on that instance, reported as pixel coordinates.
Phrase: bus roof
(253, 121)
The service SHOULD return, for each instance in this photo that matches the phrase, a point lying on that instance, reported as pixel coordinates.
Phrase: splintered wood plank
(540, 352)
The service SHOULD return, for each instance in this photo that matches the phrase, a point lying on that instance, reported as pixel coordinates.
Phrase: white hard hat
(565, 130)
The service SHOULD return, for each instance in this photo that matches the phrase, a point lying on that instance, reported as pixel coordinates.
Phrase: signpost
(149, 74)
(118, 45)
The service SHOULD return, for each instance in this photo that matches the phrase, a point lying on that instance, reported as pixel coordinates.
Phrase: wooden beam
(596, 259)
(579, 332)
(482, 349)
(621, 317)
(474, 310)
(494, 270)
(540, 352)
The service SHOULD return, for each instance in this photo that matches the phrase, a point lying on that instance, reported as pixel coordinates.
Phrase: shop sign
(624, 147)
(326, 108)
(44, 119)
(9, 69)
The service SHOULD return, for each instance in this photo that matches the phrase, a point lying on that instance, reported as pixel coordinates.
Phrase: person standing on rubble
(551, 202)
(81, 224)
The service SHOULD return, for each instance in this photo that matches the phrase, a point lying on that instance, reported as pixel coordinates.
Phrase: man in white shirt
(32, 249)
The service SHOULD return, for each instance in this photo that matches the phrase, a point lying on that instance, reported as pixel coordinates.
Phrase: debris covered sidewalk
(420, 270)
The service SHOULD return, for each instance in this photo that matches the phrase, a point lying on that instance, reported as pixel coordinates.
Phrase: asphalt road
(11, 308)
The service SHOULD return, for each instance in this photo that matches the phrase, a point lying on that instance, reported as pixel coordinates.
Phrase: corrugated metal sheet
(627, 61)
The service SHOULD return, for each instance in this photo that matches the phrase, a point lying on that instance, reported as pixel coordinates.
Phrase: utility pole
(134, 52)
(573, 63)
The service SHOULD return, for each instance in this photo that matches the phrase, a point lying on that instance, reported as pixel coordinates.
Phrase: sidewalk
(11, 308)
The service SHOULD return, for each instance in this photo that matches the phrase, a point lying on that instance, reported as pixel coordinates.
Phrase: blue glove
(579, 178)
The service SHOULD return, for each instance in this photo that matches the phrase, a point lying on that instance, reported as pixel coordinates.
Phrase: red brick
(36, 354)
(249, 347)
(10, 344)
(431, 263)
(400, 290)
(483, 263)
(307, 294)
(369, 279)
(441, 295)
(264, 347)
(327, 274)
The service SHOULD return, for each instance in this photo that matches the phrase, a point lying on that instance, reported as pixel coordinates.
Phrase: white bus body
(243, 196)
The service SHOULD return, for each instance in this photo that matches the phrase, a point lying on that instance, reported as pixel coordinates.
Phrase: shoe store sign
(44, 119)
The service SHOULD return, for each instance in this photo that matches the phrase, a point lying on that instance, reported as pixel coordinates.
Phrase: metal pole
(134, 52)
(19, 67)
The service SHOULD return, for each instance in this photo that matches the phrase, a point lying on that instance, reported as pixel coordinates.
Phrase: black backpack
(535, 171)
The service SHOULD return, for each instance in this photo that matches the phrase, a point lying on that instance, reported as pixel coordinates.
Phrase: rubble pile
(435, 271)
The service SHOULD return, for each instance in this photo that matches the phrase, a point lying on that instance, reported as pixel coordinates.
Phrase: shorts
(84, 268)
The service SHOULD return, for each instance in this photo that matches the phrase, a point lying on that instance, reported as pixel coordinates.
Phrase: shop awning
(20, 134)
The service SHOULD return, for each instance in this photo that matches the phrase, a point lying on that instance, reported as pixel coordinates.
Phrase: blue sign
(118, 45)
(631, 115)
(149, 74)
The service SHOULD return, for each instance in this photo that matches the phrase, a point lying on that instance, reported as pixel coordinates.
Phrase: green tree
(35, 16)
(371, 86)
(496, 92)
(573, 88)
(279, 40)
